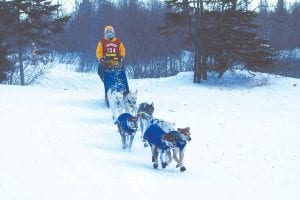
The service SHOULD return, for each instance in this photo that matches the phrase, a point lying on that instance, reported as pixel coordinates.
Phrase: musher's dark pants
(100, 71)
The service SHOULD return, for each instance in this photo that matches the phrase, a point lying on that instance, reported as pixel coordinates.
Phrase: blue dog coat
(153, 136)
(122, 120)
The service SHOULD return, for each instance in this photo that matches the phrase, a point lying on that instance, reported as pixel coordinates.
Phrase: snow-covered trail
(58, 141)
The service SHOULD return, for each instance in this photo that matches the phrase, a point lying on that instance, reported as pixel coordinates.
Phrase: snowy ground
(58, 141)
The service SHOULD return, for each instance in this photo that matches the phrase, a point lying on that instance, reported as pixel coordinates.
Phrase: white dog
(164, 125)
(130, 99)
(116, 103)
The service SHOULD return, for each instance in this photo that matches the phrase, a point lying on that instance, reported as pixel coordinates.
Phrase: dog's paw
(182, 169)
(164, 164)
(155, 165)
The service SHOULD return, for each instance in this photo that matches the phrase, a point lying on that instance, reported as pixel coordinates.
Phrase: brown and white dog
(166, 144)
(180, 146)
(177, 141)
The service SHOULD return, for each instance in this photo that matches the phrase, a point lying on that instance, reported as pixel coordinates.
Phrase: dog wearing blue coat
(127, 127)
(164, 144)
(160, 144)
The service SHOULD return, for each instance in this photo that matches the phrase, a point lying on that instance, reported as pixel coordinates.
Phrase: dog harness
(179, 142)
(122, 120)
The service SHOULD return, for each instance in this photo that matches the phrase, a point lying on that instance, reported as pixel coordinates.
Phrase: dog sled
(115, 79)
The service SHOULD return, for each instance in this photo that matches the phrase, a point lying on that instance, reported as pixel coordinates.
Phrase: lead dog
(181, 140)
(115, 99)
(127, 127)
(164, 125)
(164, 143)
(159, 143)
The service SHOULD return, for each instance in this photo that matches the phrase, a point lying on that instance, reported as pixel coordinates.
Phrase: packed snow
(58, 140)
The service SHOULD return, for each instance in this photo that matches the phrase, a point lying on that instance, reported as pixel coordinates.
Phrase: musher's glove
(102, 60)
(109, 58)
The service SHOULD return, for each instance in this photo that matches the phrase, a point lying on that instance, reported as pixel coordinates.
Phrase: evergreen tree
(263, 20)
(6, 22)
(5, 65)
(281, 31)
(188, 16)
(238, 43)
(296, 25)
(222, 33)
(36, 23)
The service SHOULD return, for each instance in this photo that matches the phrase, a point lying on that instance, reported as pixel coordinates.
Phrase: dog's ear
(186, 131)
(152, 104)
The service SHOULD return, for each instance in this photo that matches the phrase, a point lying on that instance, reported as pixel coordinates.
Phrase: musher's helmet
(109, 32)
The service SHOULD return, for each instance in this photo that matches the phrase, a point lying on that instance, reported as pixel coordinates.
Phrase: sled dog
(144, 114)
(184, 136)
(115, 99)
(127, 127)
(164, 144)
(165, 125)
(160, 143)
(130, 99)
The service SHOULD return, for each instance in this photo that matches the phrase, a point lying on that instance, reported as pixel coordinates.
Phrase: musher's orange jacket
(110, 48)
